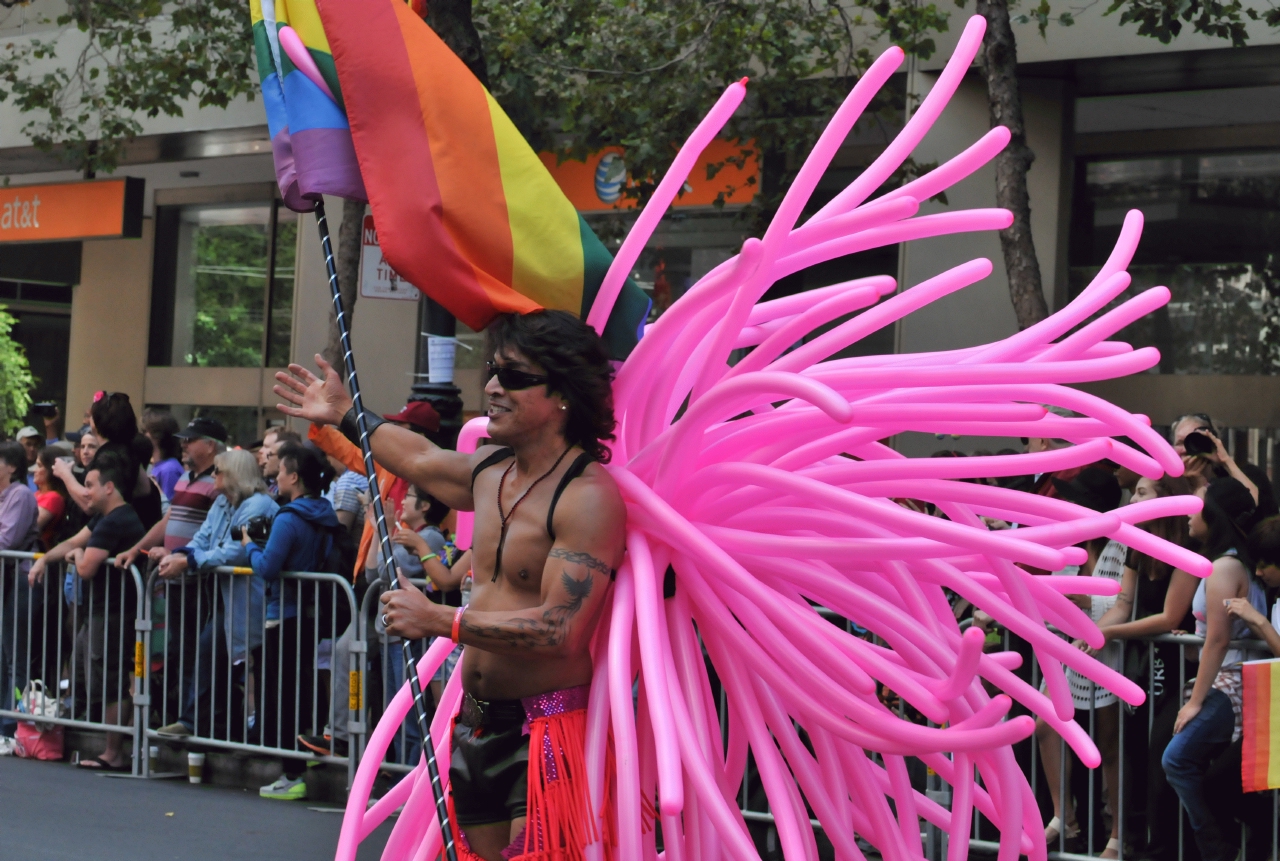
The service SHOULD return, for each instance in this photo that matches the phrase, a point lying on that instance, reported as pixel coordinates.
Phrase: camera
(45, 409)
(257, 528)
(1198, 443)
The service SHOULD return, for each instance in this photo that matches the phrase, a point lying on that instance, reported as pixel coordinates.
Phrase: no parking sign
(377, 279)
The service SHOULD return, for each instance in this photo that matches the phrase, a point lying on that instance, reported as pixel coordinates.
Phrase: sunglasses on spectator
(513, 380)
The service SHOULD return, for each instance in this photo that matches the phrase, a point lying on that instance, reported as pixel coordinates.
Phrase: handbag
(37, 739)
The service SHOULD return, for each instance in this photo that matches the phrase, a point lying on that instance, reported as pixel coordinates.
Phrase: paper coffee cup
(195, 767)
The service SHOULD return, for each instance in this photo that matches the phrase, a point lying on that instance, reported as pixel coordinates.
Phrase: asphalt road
(53, 811)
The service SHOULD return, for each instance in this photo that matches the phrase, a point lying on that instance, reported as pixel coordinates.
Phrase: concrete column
(110, 310)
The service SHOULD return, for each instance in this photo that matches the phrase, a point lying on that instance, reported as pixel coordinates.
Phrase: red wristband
(457, 622)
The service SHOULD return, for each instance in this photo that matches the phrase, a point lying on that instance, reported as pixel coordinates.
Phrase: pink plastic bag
(34, 743)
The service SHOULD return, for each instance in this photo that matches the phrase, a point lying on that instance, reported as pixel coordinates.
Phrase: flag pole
(384, 538)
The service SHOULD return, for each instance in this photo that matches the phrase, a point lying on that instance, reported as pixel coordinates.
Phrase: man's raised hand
(319, 400)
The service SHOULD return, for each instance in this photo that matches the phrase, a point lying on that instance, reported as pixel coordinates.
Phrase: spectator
(347, 495)
(31, 443)
(166, 455)
(1097, 489)
(202, 440)
(51, 497)
(1223, 790)
(269, 455)
(419, 417)
(17, 532)
(193, 493)
(302, 537)
(1203, 466)
(100, 647)
(1157, 597)
(115, 428)
(71, 474)
(1210, 720)
(241, 497)
(419, 548)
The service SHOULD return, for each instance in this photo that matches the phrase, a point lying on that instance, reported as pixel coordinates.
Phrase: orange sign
(105, 209)
(597, 184)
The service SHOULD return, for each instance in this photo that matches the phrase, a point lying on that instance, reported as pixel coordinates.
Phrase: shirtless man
(549, 534)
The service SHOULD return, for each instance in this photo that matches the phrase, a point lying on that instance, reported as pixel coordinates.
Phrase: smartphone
(45, 409)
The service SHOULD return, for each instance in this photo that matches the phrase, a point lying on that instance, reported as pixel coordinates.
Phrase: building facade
(224, 285)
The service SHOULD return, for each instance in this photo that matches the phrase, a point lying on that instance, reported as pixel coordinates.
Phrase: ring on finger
(384, 620)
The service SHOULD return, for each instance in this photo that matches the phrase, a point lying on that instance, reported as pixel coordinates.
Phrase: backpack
(340, 558)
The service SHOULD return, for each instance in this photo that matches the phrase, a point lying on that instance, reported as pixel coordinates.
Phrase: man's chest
(514, 548)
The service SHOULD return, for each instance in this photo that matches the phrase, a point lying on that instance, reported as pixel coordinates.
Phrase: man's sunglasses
(513, 380)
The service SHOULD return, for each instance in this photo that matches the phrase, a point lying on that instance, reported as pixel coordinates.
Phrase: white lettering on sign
(377, 279)
(20, 212)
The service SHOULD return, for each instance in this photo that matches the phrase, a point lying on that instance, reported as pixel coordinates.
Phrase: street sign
(377, 279)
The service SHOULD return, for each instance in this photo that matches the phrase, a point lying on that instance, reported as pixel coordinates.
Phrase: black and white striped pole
(384, 536)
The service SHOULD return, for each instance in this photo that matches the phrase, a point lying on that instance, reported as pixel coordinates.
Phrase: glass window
(223, 285)
(1211, 235)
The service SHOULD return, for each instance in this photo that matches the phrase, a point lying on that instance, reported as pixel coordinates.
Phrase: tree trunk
(999, 62)
(348, 264)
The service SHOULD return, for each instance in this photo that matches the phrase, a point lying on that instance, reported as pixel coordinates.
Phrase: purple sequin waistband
(556, 702)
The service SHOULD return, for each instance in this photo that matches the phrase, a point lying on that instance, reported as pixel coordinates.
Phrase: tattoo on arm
(552, 626)
(576, 558)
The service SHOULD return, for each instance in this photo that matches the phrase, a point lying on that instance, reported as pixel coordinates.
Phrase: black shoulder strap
(575, 469)
(497, 457)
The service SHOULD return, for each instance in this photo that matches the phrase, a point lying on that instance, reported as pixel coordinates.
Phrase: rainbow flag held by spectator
(310, 136)
(1260, 752)
(465, 210)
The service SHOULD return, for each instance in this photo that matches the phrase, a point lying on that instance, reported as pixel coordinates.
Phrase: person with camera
(301, 538)
(242, 505)
(1205, 458)
(111, 598)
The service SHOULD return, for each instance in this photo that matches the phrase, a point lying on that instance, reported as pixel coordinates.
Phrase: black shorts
(489, 767)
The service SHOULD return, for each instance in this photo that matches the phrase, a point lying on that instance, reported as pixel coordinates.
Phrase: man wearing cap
(193, 495)
(32, 441)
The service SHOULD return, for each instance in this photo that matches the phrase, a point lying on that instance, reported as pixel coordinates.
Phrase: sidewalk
(52, 811)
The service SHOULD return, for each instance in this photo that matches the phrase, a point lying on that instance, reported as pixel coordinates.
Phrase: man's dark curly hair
(577, 363)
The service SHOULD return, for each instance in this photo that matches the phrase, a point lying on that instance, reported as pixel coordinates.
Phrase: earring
(563, 407)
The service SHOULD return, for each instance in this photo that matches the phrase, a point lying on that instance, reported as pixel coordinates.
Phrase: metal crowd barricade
(85, 647)
(241, 680)
(400, 754)
(754, 806)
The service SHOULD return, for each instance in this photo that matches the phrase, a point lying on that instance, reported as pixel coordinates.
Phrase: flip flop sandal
(1113, 846)
(1054, 830)
(101, 765)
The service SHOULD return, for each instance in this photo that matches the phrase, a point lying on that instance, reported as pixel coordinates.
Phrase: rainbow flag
(1260, 752)
(310, 136)
(465, 210)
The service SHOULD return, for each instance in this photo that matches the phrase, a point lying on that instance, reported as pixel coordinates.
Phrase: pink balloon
(768, 487)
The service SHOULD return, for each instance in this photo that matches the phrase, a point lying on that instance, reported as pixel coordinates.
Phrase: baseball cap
(26, 432)
(203, 427)
(417, 413)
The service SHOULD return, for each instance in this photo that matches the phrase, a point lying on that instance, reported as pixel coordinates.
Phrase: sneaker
(321, 744)
(177, 729)
(7, 745)
(285, 789)
(324, 745)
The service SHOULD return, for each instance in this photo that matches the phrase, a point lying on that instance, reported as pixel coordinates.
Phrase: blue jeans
(1186, 760)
